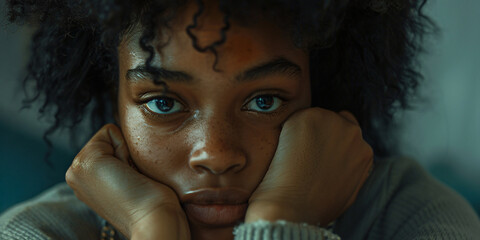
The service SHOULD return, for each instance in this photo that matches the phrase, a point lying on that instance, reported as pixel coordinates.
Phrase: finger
(112, 135)
(119, 143)
(349, 117)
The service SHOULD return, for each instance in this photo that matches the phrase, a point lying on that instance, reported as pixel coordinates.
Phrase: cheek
(156, 155)
(260, 145)
(162, 158)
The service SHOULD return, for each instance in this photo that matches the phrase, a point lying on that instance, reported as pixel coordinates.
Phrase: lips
(216, 206)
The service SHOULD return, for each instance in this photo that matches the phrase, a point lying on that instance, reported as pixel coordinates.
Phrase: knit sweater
(398, 201)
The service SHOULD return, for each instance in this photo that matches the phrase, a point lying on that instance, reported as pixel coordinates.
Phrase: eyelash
(280, 109)
(143, 103)
(272, 113)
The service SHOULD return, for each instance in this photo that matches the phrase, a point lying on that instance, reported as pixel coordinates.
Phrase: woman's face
(213, 132)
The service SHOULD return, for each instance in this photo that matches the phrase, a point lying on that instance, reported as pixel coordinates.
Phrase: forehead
(243, 45)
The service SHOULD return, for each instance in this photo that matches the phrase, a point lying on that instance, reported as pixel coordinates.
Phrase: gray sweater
(399, 201)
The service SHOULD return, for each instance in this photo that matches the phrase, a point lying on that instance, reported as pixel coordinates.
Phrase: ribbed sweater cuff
(281, 230)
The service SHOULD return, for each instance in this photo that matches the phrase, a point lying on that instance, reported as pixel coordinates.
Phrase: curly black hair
(363, 53)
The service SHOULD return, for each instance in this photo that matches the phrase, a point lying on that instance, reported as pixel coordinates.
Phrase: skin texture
(216, 142)
(296, 163)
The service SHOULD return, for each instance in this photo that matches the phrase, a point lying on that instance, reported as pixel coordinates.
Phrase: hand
(320, 164)
(134, 204)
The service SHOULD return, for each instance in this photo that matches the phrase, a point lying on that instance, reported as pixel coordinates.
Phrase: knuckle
(81, 166)
(314, 113)
(75, 169)
(307, 116)
(369, 152)
(353, 133)
(70, 177)
(108, 126)
(349, 116)
(102, 133)
(356, 131)
(369, 149)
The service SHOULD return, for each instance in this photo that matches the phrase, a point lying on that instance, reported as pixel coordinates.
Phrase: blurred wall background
(442, 133)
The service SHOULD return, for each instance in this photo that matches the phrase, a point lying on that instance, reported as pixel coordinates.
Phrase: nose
(217, 150)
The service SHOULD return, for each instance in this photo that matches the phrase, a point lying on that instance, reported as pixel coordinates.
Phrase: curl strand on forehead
(362, 52)
(316, 31)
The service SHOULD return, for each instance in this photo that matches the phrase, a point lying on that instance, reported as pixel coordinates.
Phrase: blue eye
(264, 103)
(164, 105)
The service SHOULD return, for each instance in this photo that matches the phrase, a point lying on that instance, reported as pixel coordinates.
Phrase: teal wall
(24, 173)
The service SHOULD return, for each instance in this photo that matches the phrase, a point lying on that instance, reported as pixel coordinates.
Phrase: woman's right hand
(134, 204)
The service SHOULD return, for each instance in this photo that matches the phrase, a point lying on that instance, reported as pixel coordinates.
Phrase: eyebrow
(142, 73)
(278, 65)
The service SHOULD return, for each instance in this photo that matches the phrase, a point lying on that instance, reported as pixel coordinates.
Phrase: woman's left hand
(320, 164)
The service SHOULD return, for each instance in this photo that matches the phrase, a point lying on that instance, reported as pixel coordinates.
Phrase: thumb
(114, 136)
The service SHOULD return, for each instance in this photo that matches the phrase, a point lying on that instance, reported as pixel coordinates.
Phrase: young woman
(232, 119)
